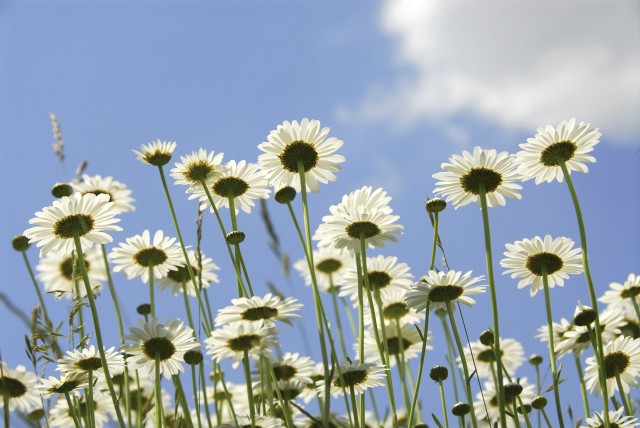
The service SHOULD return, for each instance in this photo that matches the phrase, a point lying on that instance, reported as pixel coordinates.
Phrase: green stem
(188, 306)
(205, 397)
(361, 281)
(196, 401)
(158, 393)
(635, 306)
(494, 300)
(467, 380)
(151, 292)
(451, 355)
(546, 418)
(552, 352)
(402, 363)
(183, 400)
(432, 264)
(425, 336)
(96, 323)
(444, 404)
(72, 412)
(334, 299)
(355, 406)
(5, 407)
(627, 408)
(236, 247)
(583, 389)
(89, 401)
(247, 377)
(592, 293)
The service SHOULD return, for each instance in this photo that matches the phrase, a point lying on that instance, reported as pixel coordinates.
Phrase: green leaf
(436, 420)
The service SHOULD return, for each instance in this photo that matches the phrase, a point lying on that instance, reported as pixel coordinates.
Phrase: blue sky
(404, 86)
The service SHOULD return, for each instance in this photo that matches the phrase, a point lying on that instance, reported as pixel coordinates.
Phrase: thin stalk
(355, 406)
(635, 306)
(334, 299)
(188, 306)
(552, 352)
(158, 393)
(402, 363)
(444, 405)
(205, 398)
(425, 335)
(361, 281)
(151, 292)
(454, 369)
(467, 380)
(183, 401)
(546, 418)
(625, 403)
(236, 247)
(76, 285)
(72, 412)
(583, 389)
(592, 293)
(515, 414)
(539, 388)
(494, 300)
(96, 324)
(5, 407)
(89, 400)
(247, 376)
(432, 264)
(196, 401)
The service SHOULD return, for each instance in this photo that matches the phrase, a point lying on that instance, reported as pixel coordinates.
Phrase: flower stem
(546, 418)
(465, 368)
(183, 401)
(196, 401)
(96, 324)
(425, 335)
(634, 301)
(494, 301)
(236, 247)
(247, 377)
(444, 405)
(158, 393)
(583, 389)
(432, 264)
(402, 365)
(623, 397)
(112, 291)
(552, 352)
(90, 415)
(151, 292)
(188, 306)
(592, 293)
(72, 412)
(355, 406)
(205, 397)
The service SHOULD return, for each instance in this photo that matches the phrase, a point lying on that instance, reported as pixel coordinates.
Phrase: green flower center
(11, 387)
(296, 153)
(394, 344)
(66, 268)
(230, 187)
(549, 262)
(615, 363)
(67, 227)
(244, 343)
(284, 372)
(366, 229)
(378, 279)
(198, 171)
(395, 311)
(150, 257)
(558, 153)
(487, 356)
(480, 177)
(159, 347)
(157, 158)
(445, 293)
(100, 192)
(630, 292)
(86, 364)
(329, 266)
(181, 274)
(351, 378)
(259, 313)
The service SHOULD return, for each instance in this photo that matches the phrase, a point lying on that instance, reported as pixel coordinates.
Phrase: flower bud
(486, 338)
(60, 190)
(439, 373)
(234, 238)
(460, 409)
(535, 359)
(20, 243)
(193, 357)
(144, 309)
(539, 402)
(285, 195)
(435, 205)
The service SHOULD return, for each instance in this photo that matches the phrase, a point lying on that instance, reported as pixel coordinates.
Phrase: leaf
(436, 420)
(551, 386)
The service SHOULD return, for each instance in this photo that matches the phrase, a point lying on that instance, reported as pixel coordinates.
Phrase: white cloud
(519, 64)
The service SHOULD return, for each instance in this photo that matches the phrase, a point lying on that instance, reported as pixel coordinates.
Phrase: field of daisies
(225, 363)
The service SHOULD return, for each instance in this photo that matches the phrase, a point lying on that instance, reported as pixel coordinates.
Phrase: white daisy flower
(293, 144)
(156, 153)
(463, 178)
(310, 391)
(103, 411)
(293, 367)
(559, 331)
(541, 156)
(89, 216)
(55, 271)
(385, 275)
(166, 342)
(616, 419)
(236, 393)
(621, 358)
(622, 292)
(491, 415)
(67, 383)
(17, 385)
(407, 339)
(267, 309)
(631, 323)
(530, 258)
(118, 192)
(196, 167)
(261, 422)
(335, 421)
(139, 253)
(330, 266)
(175, 278)
(233, 340)
(395, 308)
(440, 288)
(359, 376)
(289, 390)
(88, 359)
(577, 338)
(512, 356)
(362, 213)
(243, 182)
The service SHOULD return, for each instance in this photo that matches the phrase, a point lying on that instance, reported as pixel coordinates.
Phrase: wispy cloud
(519, 65)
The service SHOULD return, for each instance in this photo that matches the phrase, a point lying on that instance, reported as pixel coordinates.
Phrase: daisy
(441, 288)
(310, 391)
(616, 419)
(16, 385)
(330, 266)
(139, 253)
(358, 376)
(118, 193)
(242, 182)
(293, 367)
(67, 383)
(407, 340)
(261, 422)
(292, 145)
(103, 411)
(559, 331)
(363, 213)
(622, 292)
(335, 421)
(395, 309)
(492, 413)
(166, 342)
(577, 338)
(156, 153)
(202, 271)
(621, 358)
(463, 178)
(267, 309)
(235, 393)
(288, 389)
(88, 216)
(511, 351)
(78, 362)
(197, 167)
(631, 326)
(542, 155)
(385, 275)
(56, 272)
(530, 259)
(233, 340)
